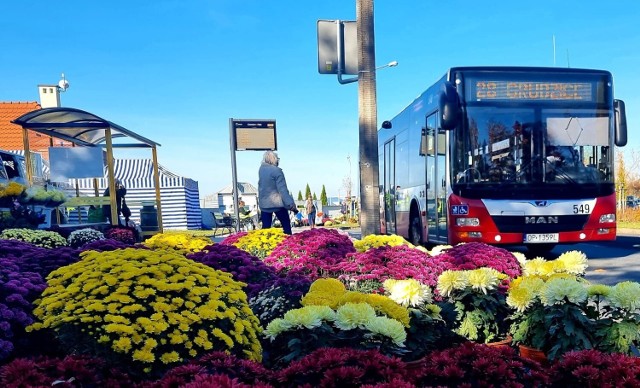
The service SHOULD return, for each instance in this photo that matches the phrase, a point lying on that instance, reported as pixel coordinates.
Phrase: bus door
(390, 186)
(436, 181)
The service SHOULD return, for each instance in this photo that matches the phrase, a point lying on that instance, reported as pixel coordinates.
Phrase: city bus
(504, 156)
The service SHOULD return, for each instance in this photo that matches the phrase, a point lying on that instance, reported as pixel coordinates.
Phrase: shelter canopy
(79, 127)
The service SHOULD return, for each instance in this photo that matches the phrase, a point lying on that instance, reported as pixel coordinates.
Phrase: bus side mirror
(449, 105)
(620, 122)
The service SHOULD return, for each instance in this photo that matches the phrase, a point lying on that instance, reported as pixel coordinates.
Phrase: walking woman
(311, 212)
(273, 194)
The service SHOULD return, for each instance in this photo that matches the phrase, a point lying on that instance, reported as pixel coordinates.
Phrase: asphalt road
(609, 262)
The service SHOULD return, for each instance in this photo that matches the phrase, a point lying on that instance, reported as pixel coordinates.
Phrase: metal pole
(156, 183)
(234, 173)
(368, 120)
(111, 178)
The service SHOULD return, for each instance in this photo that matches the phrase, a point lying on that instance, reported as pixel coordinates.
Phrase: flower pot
(532, 354)
(505, 343)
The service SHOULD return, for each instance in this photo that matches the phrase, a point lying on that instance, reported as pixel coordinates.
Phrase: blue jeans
(283, 217)
(312, 218)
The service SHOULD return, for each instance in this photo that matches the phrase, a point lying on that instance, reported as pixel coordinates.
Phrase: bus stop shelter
(85, 129)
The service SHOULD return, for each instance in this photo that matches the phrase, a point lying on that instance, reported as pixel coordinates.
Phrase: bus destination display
(530, 90)
(254, 135)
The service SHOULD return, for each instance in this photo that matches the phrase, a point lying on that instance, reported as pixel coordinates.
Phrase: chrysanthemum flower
(389, 328)
(483, 279)
(449, 281)
(574, 262)
(408, 292)
(354, 315)
(599, 290)
(438, 249)
(520, 298)
(559, 291)
(626, 295)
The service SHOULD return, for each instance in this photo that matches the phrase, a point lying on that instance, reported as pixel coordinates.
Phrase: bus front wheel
(415, 237)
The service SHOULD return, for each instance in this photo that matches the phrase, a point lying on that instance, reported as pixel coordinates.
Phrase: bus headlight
(608, 218)
(467, 221)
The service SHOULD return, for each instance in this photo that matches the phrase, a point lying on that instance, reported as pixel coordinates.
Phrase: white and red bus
(504, 155)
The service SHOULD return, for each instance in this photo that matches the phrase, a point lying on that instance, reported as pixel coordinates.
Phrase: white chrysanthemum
(563, 290)
(522, 259)
(408, 292)
(388, 327)
(354, 315)
(438, 249)
(625, 295)
(275, 327)
(307, 317)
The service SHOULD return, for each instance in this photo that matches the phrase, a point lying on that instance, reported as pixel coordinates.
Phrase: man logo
(541, 220)
(541, 203)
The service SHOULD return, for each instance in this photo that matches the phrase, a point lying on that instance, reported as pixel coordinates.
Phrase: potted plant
(478, 301)
(550, 315)
(616, 312)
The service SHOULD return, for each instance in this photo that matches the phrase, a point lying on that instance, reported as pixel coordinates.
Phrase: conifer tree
(323, 197)
(307, 191)
(300, 195)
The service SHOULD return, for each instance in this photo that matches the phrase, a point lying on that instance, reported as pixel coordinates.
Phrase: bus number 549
(581, 209)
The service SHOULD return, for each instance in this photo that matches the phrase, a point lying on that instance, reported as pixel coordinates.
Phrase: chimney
(49, 96)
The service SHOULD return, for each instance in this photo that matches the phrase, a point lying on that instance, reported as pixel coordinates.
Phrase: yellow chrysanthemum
(483, 279)
(574, 262)
(376, 241)
(449, 281)
(520, 298)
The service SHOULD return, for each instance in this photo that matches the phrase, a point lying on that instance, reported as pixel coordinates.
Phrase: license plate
(541, 238)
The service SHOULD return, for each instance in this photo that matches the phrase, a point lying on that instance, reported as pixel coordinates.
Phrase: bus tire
(415, 237)
(540, 249)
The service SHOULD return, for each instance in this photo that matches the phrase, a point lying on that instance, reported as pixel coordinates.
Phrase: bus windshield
(532, 145)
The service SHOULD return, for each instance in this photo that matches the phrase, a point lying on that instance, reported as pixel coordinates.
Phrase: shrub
(177, 241)
(17, 291)
(218, 364)
(366, 271)
(475, 255)
(592, 368)
(478, 365)
(243, 266)
(148, 310)
(109, 244)
(259, 242)
(41, 238)
(334, 367)
(311, 252)
(79, 237)
(124, 235)
(72, 370)
(377, 241)
(43, 261)
(282, 295)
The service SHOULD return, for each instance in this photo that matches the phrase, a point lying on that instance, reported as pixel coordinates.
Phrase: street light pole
(350, 182)
(368, 120)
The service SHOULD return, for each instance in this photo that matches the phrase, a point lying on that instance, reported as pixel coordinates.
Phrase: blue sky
(175, 71)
